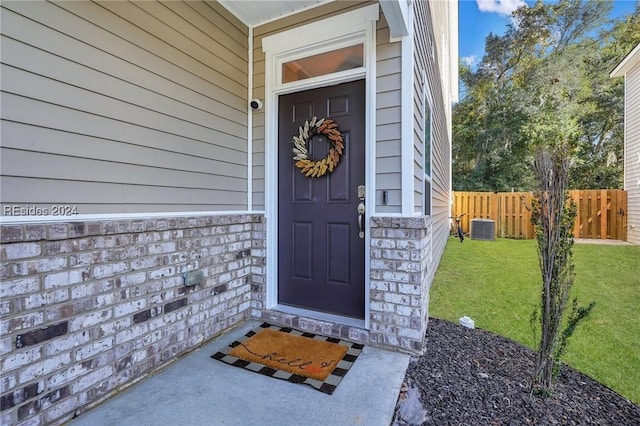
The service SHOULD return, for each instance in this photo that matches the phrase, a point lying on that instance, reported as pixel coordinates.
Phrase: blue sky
(477, 18)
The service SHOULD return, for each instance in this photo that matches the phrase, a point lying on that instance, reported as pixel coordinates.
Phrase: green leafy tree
(570, 46)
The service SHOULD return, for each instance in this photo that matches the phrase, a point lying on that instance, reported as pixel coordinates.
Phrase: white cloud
(503, 7)
(470, 60)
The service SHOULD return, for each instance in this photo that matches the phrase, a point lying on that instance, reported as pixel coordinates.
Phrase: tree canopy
(544, 82)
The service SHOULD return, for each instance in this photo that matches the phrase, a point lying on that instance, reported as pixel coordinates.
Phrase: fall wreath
(307, 165)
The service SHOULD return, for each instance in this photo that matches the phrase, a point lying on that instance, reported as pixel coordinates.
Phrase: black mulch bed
(474, 377)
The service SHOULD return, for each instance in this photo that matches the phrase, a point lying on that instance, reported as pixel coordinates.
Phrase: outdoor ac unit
(483, 229)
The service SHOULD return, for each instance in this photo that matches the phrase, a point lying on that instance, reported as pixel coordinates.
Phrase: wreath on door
(311, 167)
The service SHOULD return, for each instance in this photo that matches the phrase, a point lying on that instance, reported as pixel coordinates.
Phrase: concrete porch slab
(198, 390)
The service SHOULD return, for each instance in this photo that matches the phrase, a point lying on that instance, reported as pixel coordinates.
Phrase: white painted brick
(407, 244)
(411, 333)
(66, 376)
(94, 348)
(65, 407)
(15, 288)
(90, 289)
(382, 243)
(166, 247)
(65, 278)
(114, 326)
(397, 298)
(89, 320)
(44, 367)
(65, 343)
(91, 379)
(7, 382)
(21, 358)
(39, 265)
(36, 301)
(6, 418)
(6, 344)
(377, 285)
(5, 307)
(36, 420)
(409, 266)
(131, 333)
(21, 250)
(396, 254)
(109, 270)
(409, 289)
(129, 308)
(382, 307)
(132, 279)
(162, 272)
(21, 322)
(395, 276)
(407, 311)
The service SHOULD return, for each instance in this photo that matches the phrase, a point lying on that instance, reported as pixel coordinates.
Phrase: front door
(320, 244)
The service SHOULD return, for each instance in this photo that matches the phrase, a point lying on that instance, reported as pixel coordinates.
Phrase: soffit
(258, 12)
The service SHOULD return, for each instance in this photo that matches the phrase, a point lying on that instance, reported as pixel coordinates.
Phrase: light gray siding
(632, 152)
(123, 107)
(388, 120)
(427, 62)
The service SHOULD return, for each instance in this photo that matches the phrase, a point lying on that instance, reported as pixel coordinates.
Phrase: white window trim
(321, 36)
(427, 100)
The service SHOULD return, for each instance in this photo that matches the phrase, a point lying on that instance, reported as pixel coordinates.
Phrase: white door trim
(320, 36)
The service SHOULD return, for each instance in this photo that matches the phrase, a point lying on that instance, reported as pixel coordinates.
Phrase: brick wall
(88, 308)
(401, 274)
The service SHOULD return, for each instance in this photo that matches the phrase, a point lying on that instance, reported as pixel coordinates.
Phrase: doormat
(292, 355)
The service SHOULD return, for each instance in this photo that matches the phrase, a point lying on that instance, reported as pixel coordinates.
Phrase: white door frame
(358, 26)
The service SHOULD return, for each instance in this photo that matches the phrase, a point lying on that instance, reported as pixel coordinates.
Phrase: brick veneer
(88, 308)
(401, 274)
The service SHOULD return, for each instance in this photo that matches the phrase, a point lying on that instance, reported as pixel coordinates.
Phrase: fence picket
(600, 213)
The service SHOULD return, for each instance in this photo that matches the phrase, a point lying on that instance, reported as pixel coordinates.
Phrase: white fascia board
(627, 63)
(453, 49)
(397, 14)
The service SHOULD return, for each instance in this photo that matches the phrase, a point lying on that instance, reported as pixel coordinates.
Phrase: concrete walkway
(198, 390)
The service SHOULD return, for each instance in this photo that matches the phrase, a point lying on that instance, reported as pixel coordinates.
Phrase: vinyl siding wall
(428, 62)
(632, 152)
(388, 164)
(388, 120)
(123, 107)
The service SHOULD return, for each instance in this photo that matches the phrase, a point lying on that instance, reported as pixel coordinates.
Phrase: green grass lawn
(498, 284)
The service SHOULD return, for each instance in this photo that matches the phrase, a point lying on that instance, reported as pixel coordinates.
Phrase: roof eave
(627, 63)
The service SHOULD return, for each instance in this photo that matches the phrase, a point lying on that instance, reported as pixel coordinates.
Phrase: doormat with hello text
(292, 355)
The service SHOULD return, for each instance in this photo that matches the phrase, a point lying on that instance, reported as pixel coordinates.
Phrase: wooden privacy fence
(601, 213)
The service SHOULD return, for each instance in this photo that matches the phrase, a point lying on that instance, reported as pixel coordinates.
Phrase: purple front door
(320, 248)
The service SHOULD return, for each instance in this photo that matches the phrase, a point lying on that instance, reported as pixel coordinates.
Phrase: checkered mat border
(327, 386)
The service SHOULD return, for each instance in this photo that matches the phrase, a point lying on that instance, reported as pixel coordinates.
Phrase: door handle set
(361, 210)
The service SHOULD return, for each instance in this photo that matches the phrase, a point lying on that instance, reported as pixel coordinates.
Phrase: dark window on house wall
(427, 126)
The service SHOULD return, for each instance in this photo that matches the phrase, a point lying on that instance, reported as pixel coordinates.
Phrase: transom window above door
(343, 59)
